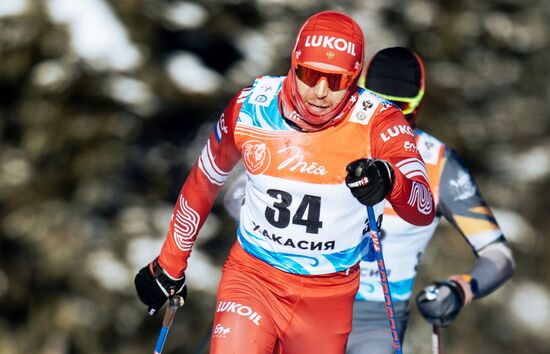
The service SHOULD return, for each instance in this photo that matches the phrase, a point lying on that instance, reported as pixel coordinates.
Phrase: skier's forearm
(411, 196)
(494, 266)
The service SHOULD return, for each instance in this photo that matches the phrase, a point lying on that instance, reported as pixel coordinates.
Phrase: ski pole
(174, 302)
(392, 318)
(436, 343)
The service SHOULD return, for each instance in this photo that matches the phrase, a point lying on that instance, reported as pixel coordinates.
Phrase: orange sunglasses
(337, 80)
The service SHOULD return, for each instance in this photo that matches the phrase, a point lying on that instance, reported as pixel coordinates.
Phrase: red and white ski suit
(290, 280)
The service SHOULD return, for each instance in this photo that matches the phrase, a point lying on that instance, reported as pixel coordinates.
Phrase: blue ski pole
(384, 280)
(174, 302)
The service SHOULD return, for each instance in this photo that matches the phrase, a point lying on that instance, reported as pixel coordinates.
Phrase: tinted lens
(336, 81)
(307, 76)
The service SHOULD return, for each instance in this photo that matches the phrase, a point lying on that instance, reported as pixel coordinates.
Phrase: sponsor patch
(239, 309)
(256, 156)
(330, 42)
(429, 148)
(363, 111)
(296, 162)
(396, 130)
(265, 91)
(462, 187)
(409, 146)
(220, 331)
(294, 243)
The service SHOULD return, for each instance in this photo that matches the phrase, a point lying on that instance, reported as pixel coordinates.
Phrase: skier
(397, 74)
(316, 149)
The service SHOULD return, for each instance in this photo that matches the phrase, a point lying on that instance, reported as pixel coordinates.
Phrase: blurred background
(106, 104)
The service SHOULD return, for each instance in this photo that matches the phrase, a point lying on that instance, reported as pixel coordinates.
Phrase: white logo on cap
(339, 44)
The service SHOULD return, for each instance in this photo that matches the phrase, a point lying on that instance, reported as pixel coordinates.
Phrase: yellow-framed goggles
(406, 104)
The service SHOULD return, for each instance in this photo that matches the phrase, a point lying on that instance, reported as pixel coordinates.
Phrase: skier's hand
(440, 302)
(154, 286)
(369, 180)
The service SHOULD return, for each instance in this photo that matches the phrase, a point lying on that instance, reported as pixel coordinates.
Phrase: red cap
(330, 37)
(327, 37)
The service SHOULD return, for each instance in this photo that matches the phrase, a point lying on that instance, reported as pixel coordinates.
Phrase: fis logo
(338, 44)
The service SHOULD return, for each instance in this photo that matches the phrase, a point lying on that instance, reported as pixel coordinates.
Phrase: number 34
(279, 215)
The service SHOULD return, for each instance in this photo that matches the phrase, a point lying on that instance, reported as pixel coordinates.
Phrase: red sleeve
(200, 190)
(392, 139)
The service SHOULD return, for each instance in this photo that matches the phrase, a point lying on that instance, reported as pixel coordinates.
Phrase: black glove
(440, 302)
(154, 286)
(369, 180)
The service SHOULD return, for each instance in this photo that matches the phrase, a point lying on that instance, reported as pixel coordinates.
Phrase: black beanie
(396, 72)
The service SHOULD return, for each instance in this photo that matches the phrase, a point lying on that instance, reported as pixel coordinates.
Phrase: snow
(52, 75)
(517, 230)
(134, 220)
(108, 271)
(13, 7)
(201, 273)
(532, 165)
(15, 169)
(97, 36)
(131, 92)
(530, 305)
(141, 251)
(190, 75)
(185, 15)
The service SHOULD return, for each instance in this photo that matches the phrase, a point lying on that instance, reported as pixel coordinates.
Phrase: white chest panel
(302, 228)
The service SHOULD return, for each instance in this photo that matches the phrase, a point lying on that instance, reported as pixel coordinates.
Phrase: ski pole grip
(173, 303)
